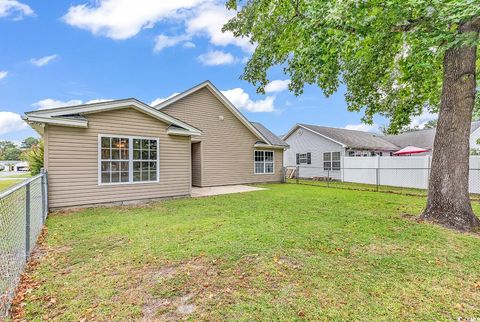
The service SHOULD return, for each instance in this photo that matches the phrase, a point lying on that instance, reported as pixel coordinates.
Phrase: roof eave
(31, 119)
(180, 132)
(108, 106)
(270, 146)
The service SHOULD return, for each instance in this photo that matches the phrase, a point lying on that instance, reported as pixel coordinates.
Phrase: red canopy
(410, 150)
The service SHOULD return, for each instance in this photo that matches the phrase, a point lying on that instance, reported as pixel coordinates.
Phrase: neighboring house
(126, 150)
(21, 167)
(9, 165)
(322, 148)
(425, 138)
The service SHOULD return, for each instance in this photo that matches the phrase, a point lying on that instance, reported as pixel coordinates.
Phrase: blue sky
(71, 52)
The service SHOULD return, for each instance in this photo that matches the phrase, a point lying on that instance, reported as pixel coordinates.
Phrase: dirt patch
(28, 282)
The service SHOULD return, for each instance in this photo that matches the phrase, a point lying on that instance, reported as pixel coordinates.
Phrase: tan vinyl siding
(73, 160)
(227, 145)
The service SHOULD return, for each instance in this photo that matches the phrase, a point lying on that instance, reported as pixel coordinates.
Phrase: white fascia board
(221, 98)
(306, 128)
(56, 121)
(270, 146)
(182, 132)
(112, 105)
(290, 132)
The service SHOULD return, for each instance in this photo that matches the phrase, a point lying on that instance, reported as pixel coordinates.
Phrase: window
(331, 161)
(127, 159)
(264, 162)
(304, 158)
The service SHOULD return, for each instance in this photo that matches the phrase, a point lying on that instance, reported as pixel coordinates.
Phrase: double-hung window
(125, 159)
(264, 162)
(331, 161)
(303, 158)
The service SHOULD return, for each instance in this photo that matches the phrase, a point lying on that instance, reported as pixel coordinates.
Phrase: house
(9, 165)
(126, 150)
(319, 150)
(425, 138)
(21, 167)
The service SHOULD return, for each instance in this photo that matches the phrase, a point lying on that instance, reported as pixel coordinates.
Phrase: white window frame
(331, 161)
(255, 162)
(130, 159)
(305, 158)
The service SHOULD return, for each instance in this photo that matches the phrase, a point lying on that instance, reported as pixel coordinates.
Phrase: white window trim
(262, 173)
(300, 158)
(331, 161)
(130, 159)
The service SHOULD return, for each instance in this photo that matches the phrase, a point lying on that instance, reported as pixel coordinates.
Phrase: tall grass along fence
(407, 175)
(23, 210)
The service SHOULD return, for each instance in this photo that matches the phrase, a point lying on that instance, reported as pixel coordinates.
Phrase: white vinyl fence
(401, 171)
(405, 172)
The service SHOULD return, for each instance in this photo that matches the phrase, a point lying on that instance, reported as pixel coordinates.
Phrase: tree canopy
(389, 54)
(9, 151)
(29, 142)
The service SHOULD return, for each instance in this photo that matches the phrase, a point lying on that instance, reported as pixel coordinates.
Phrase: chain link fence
(408, 181)
(23, 210)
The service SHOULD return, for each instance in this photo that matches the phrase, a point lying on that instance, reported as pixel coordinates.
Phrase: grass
(5, 184)
(19, 175)
(369, 187)
(293, 252)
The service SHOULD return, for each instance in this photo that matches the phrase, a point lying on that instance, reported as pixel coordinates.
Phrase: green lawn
(5, 184)
(293, 252)
(20, 175)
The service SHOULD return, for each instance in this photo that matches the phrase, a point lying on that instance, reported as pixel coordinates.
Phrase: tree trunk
(448, 197)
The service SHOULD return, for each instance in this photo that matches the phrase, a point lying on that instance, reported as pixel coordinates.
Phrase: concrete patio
(222, 190)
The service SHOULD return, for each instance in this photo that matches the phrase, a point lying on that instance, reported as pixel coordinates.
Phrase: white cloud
(43, 61)
(163, 41)
(277, 86)
(242, 101)
(52, 103)
(15, 9)
(3, 74)
(11, 122)
(420, 120)
(98, 100)
(189, 44)
(123, 19)
(209, 21)
(159, 100)
(363, 127)
(216, 57)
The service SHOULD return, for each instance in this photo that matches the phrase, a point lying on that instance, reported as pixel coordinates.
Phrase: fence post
(427, 165)
(27, 220)
(376, 179)
(44, 212)
(297, 173)
(328, 178)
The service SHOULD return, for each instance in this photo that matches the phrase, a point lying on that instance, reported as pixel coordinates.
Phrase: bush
(34, 157)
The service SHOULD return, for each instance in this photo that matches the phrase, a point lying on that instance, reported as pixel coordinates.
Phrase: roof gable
(207, 84)
(62, 115)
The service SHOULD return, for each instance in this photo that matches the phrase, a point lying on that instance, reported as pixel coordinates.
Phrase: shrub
(34, 156)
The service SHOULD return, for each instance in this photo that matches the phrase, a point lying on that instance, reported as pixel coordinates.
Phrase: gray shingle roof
(354, 139)
(421, 138)
(272, 138)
